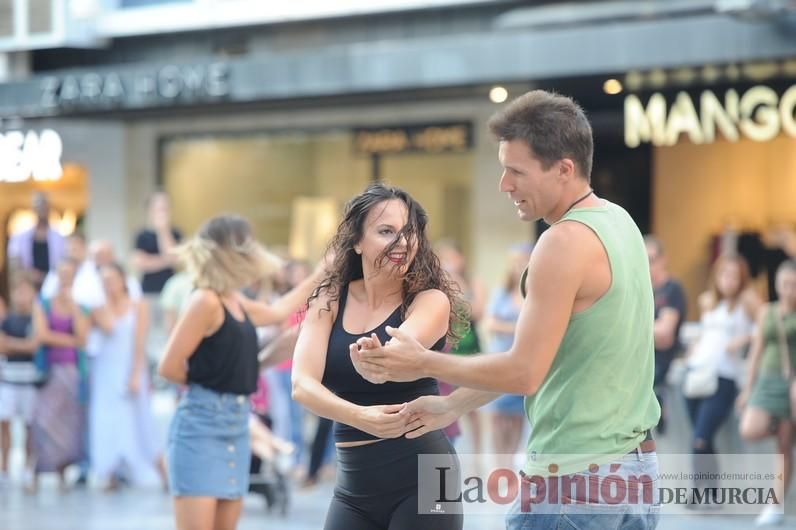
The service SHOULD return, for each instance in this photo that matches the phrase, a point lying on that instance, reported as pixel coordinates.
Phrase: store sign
(436, 138)
(30, 156)
(169, 84)
(758, 114)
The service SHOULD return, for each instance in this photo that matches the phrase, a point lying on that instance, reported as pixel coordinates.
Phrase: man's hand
(365, 369)
(383, 421)
(429, 413)
(401, 359)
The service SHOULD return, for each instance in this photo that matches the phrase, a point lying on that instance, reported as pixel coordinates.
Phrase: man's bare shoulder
(568, 239)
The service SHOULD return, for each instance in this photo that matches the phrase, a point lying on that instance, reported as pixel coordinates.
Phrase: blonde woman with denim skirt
(213, 350)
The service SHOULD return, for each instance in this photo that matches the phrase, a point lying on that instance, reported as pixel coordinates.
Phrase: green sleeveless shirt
(596, 402)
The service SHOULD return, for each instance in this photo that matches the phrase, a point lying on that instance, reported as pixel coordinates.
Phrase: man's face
(41, 206)
(76, 249)
(22, 297)
(786, 287)
(159, 209)
(534, 189)
(657, 263)
(102, 254)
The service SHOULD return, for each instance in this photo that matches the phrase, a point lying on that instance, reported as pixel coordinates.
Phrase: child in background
(18, 373)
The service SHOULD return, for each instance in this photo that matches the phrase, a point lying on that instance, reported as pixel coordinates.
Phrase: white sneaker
(771, 515)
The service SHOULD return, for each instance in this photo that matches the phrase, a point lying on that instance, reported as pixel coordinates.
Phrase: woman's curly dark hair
(425, 271)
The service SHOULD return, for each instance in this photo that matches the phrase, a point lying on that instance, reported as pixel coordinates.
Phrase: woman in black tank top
(213, 350)
(384, 273)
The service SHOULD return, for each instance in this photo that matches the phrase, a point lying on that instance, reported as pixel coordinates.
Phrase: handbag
(24, 373)
(701, 381)
(787, 368)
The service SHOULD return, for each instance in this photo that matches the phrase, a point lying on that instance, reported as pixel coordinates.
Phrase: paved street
(150, 509)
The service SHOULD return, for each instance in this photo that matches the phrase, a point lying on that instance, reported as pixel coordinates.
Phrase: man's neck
(580, 196)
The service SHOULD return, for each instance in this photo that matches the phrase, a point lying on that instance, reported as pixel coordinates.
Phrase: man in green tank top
(583, 352)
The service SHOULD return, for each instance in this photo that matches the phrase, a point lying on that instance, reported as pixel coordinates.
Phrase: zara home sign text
(168, 84)
(758, 114)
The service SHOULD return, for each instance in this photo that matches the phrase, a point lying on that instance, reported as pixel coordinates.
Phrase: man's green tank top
(596, 402)
(771, 362)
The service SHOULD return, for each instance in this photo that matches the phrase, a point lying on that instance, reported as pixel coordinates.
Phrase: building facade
(283, 115)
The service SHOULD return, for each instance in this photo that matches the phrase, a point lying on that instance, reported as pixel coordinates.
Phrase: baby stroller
(266, 478)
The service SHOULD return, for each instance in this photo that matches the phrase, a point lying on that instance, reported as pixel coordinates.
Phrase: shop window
(292, 186)
(40, 16)
(6, 18)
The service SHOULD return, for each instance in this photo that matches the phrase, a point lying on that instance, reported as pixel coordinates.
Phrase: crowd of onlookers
(740, 362)
(80, 337)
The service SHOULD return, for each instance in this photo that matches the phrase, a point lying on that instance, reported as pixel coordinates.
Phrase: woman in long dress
(59, 417)
(121, 426)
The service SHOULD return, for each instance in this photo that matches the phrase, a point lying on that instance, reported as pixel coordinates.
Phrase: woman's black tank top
(340, 377)
(226, 361)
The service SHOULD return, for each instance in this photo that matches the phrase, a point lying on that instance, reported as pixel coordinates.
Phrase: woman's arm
(280, 349)
(750, 302)
(309, 363)
(427, 320)
(18, 346)
(264, 314)
(44, 335)
(102, 318)
(428, 317)
(80, 325)
(755, 356)
(139, 346)
(203, 314)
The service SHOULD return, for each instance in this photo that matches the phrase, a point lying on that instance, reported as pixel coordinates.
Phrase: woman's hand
(742, 399)
(134, 385)
(383, 421)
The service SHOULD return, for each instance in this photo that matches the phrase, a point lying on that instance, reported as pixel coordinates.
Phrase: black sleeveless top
(340, 377)
(226, 361)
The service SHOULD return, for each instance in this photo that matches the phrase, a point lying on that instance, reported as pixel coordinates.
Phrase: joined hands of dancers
(400, 359)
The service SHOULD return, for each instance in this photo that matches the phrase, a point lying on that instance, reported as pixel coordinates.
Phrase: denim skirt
(208, 449)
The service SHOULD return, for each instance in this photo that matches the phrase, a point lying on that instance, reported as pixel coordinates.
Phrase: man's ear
(566, 168)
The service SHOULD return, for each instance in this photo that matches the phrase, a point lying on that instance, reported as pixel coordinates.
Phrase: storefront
(31, 162)
(264, 121)
(723, 169)
(289, 170)
(293, 184)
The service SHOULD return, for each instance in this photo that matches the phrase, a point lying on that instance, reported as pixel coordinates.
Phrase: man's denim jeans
(628, 498)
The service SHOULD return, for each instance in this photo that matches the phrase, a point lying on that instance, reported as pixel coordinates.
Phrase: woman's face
(112, 281)
(22, 296)
(728, 279)
(451, 260)
(786, 287)
(383, 223)
(66, 276)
